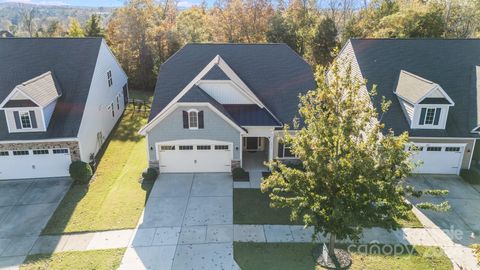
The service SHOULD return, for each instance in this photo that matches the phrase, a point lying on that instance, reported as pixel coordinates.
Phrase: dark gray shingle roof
(251, 115)
(274, 72)
(447, 62)
(71, 60)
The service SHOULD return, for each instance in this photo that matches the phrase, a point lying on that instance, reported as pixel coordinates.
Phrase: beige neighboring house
(59, 100)
(434, 86)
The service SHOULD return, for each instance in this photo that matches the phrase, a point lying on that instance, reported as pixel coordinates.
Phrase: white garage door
(195, 156)
(438, 158)
(34, 163)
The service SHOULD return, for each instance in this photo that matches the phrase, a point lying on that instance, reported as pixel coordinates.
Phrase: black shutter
(280, 150)
(33, 119)
(16, 115)
(438, 111)
(185, 119)
(200, 119)
(422, 116)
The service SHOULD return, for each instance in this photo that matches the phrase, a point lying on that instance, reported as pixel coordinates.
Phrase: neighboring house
(220, 106)
(59, 100)
(434, 86)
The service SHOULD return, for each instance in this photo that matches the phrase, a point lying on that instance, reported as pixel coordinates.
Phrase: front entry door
(252, 143)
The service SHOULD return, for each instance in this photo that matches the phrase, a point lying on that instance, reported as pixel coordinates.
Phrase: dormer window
(424, 103)
(30, 105)
(25, 120)
(430, 116)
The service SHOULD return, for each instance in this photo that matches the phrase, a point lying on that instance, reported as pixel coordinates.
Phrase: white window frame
(109, 78)
(112, 110)
(189, 120)
(118, 102)
(285, 147)
(20, 113)
(425, 123)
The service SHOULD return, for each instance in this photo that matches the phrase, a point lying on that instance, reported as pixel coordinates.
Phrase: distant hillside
(11, 15)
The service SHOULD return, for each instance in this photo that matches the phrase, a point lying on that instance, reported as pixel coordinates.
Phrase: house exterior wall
(97, 120)
(467, 155)
(171, 128)
(73, 146)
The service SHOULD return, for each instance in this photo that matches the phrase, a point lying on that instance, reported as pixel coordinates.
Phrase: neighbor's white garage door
(195, 156)
(34, 163)
(438, 158)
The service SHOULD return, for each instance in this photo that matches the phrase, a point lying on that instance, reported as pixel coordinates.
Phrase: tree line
(145, 33)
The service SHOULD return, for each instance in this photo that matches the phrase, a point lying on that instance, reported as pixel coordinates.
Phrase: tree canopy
(353, 172)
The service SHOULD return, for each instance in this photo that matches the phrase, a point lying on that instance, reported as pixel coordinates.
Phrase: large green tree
(352, 174)
(324, 41)
(93, 27)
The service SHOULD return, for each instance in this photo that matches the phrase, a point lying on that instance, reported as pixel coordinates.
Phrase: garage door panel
(195, 156)
(438, 158)
(40, 164)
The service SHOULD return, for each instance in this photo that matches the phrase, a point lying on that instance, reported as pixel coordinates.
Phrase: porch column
(270, 148)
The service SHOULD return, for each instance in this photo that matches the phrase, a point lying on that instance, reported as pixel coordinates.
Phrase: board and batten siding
(171, 128)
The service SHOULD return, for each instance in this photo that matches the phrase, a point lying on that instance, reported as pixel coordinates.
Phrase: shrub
(150, 174)
(81, 172)
(239, 174)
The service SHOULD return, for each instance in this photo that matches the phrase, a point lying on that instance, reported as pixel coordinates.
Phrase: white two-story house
(59, 100)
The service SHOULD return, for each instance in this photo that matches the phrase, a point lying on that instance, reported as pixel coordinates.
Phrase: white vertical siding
(225, 92)
(97, 118)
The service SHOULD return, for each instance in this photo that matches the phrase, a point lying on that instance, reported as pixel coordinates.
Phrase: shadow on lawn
(126, 129)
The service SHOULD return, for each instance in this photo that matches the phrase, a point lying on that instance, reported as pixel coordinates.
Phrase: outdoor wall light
(151, 148)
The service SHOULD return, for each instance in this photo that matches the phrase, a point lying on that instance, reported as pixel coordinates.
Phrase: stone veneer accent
(235, 164)
(72, 145)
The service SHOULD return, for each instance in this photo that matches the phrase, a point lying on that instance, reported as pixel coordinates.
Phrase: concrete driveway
(187, 224)
(462, 222)
(25, 208)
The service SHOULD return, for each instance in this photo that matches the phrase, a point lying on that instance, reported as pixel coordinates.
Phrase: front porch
(255, 152)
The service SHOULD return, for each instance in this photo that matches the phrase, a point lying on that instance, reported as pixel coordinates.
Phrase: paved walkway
(187, 224)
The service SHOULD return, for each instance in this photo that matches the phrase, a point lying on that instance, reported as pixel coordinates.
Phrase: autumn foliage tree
(353, 172)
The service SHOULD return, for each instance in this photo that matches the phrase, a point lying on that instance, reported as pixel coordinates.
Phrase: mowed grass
(251, 206)
(286, 256)
(75, 260)
(114, 199)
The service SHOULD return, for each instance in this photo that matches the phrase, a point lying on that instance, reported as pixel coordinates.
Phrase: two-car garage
(186, 156)
(38, 163)
(438, 158)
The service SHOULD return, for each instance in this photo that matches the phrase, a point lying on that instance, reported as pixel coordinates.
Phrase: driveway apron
(25, 208)
(187, 224)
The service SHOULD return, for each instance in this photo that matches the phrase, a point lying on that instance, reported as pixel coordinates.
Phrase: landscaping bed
(76, 260)
(286, 256)
(251, 206)
(114, 199)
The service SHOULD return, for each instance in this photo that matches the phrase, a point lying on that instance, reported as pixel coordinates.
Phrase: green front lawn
(252, 256)
(251, 206)
(114, 199)
(75, 260)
